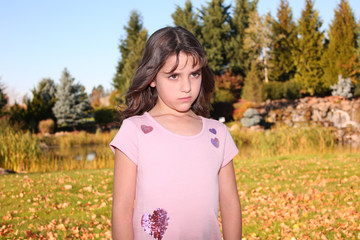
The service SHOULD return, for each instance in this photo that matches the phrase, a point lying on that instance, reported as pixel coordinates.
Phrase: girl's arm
(230, 207)
(123, 197)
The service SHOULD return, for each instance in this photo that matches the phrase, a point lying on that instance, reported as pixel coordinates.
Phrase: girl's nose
(186, 85)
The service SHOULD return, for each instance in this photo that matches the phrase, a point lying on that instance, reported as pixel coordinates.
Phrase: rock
(316, 116)
(4, 171)
(339, 118)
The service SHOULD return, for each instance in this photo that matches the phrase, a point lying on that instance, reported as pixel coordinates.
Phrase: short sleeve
(230, 149)
(126, 140)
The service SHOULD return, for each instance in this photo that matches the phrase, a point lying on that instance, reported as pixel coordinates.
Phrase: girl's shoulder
(137, 121)
(215, 124)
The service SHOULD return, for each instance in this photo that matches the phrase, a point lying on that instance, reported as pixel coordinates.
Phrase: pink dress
(177, 190)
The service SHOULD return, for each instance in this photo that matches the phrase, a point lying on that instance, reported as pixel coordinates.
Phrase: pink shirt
(177, 190)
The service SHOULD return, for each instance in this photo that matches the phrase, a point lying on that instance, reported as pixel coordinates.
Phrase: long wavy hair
(163, 43)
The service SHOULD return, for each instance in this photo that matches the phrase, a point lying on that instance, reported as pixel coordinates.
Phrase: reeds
(18, 149)
(25, 152)
(284, 140)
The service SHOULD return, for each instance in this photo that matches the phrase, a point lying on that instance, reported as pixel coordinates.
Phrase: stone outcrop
(341, 115)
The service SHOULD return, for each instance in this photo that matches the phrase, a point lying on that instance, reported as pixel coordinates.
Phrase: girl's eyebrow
(176, 73)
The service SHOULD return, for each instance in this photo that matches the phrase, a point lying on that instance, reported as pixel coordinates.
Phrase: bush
(240, 108)
(104, 115)
(343, 88)
(47, 126)
(253, 85)
(278, 90)
(251, 118)
(357, 89)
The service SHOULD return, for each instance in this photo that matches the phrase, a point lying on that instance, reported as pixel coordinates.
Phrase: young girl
(175, 163)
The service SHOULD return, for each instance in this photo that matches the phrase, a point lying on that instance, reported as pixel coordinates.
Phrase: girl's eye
(195, 74)
(173, 77)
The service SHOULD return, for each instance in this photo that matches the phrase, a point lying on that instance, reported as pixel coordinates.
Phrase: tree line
(253, 57)
(259, 57)
(65, 106)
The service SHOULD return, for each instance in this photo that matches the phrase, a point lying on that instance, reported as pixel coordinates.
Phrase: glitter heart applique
(215, 142)
(146, 129)
(155, 224)
(212, 130)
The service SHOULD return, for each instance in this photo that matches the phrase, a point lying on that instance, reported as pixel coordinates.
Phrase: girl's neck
(185, 124)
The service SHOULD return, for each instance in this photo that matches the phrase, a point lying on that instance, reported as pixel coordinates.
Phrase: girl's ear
(153, 84)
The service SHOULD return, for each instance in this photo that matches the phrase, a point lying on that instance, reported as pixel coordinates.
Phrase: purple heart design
(215, 142)
(212, 130)
(155, 224)
(146, 129)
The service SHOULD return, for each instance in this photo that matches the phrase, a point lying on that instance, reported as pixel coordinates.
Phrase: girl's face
(177, 90)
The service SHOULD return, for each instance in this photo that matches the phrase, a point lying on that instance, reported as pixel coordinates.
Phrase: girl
(173, 161)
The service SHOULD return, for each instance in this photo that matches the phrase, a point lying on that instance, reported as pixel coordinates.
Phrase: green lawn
(288, 197)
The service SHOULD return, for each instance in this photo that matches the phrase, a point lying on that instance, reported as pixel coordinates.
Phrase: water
(79, 153)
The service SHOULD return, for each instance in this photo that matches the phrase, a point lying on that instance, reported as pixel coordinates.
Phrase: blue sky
(39, 38)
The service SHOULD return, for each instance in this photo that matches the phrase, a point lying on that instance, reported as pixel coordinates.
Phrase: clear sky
(39, 38)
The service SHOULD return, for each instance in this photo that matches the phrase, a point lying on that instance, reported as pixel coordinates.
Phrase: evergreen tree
(283, 41)
(257, 39)
(72, 102)
(252, 89)
(216, 34)
(47, 89)
(187, 19)
(309, 51)
(131, 50)
(340, 57)
(96, 94)
(3, 98)
(358, 41)
(40, 106)
(238, 56)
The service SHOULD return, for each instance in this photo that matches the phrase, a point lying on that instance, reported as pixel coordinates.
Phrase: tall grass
(21, 151)
(80, 138)
(283, 140)
(18, 149)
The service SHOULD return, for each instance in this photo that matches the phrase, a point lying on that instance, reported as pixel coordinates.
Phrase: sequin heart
(146, 129)
(215, 142)
(212, 130)
(155, 224)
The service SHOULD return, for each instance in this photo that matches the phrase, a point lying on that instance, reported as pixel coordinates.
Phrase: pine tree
(283, 41)
(238, 56)
(187, 19)
(358, 41)
(309, 51)
(96, 94)
(3, 98)
(216, 34)
(131, 50)
(40, 106)
(257, 40)
(72, 103)
(252, 89)
(340, 57)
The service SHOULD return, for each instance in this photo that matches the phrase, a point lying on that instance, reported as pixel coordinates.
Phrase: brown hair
(162, 44)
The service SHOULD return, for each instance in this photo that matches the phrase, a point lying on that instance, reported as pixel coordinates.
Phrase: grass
(22, 151)
(296, 196)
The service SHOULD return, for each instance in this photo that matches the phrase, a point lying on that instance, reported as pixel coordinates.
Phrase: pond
(77, 157)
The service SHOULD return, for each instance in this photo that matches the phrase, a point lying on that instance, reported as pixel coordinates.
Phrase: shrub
(357, 89)
(253, 85)
(278, 90)
(251, 118)
(104, 115)
(47, 126)
(342, 88)
(240, 108)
